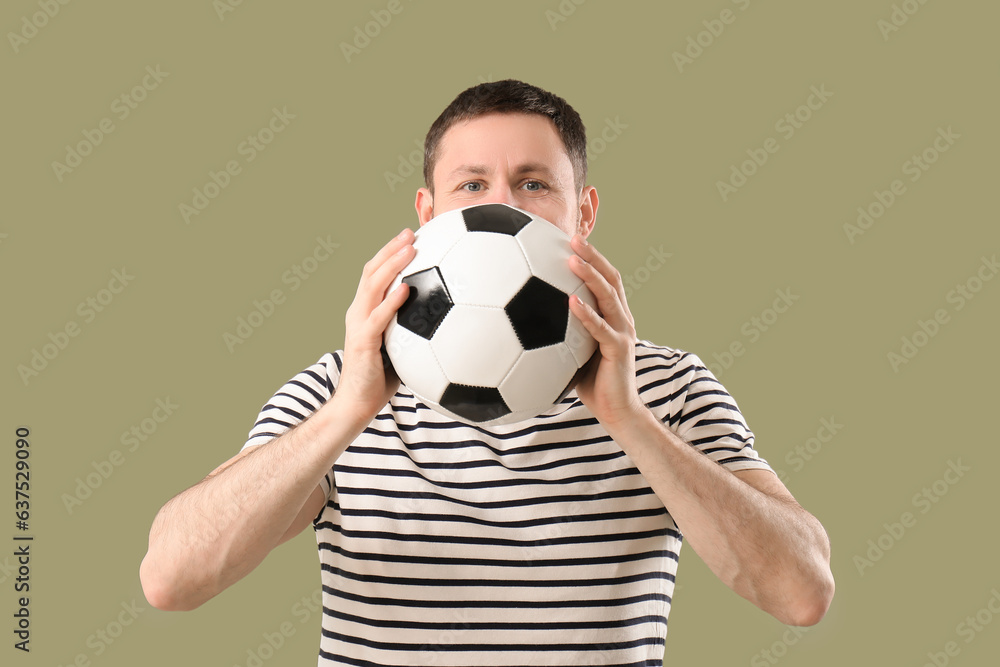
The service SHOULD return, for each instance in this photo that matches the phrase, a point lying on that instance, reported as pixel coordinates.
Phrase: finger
(382, 314)
(592, 256)
(597, 326)
(608, 299)
(376, 278)
(368, 334)
(383, 276)
(405, 237)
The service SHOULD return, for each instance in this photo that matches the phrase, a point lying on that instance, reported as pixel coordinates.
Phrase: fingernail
(402, 234)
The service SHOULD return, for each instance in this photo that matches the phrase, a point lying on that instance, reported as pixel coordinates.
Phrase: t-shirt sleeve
(701, 411)
(295, 401)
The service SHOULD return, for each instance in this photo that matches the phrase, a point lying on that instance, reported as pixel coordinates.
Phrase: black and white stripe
(535, 543)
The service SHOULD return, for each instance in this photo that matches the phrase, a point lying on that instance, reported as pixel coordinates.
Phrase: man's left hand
(609, 387)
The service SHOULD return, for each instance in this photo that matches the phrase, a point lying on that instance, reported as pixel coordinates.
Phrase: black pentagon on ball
(477, 404)
(426, 304)
(539, 313)
(497, 218)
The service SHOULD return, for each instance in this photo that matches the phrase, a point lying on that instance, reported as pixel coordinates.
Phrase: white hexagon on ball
(484, 269)
(521, 389)
(486, 330)
(442, 238)
(412, 357)
(547, 250)
(578, 339)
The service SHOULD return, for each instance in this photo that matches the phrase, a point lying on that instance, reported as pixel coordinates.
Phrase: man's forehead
(513, 143)
(484, 169)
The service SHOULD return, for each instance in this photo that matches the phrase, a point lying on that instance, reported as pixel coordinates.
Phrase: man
(551, 541)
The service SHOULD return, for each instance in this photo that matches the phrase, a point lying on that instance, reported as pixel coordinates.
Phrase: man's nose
(502, 194)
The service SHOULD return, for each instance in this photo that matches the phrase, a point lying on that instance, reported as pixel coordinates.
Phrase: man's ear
(588, 210)
(424, 205)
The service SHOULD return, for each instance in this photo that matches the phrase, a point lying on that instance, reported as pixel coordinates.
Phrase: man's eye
(473, 184)
(534, 186)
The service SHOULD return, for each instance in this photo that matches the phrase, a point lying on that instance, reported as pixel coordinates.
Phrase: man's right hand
(213, 534)
(366, 383)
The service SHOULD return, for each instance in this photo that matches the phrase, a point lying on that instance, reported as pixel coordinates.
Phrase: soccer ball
(485, 335)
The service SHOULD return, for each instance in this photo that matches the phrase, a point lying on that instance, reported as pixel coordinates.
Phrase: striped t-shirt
(534, 543)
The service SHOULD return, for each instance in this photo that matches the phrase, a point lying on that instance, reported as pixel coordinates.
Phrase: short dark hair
(511, 96)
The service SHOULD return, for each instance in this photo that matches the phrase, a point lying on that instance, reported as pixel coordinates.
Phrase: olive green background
(670, 134)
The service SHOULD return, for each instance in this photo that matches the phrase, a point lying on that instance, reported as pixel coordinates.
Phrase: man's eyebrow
(483, 170)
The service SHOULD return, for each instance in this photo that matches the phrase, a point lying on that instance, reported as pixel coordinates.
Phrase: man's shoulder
(327, 367)
(650, 354)
(329, 364)
(318, 380)
(661, 369)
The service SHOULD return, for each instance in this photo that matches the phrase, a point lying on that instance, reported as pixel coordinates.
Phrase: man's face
(515, 159)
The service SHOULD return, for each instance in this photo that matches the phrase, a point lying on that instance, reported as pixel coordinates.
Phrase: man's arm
(216, 532)
(212, 535)
(746, 526)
